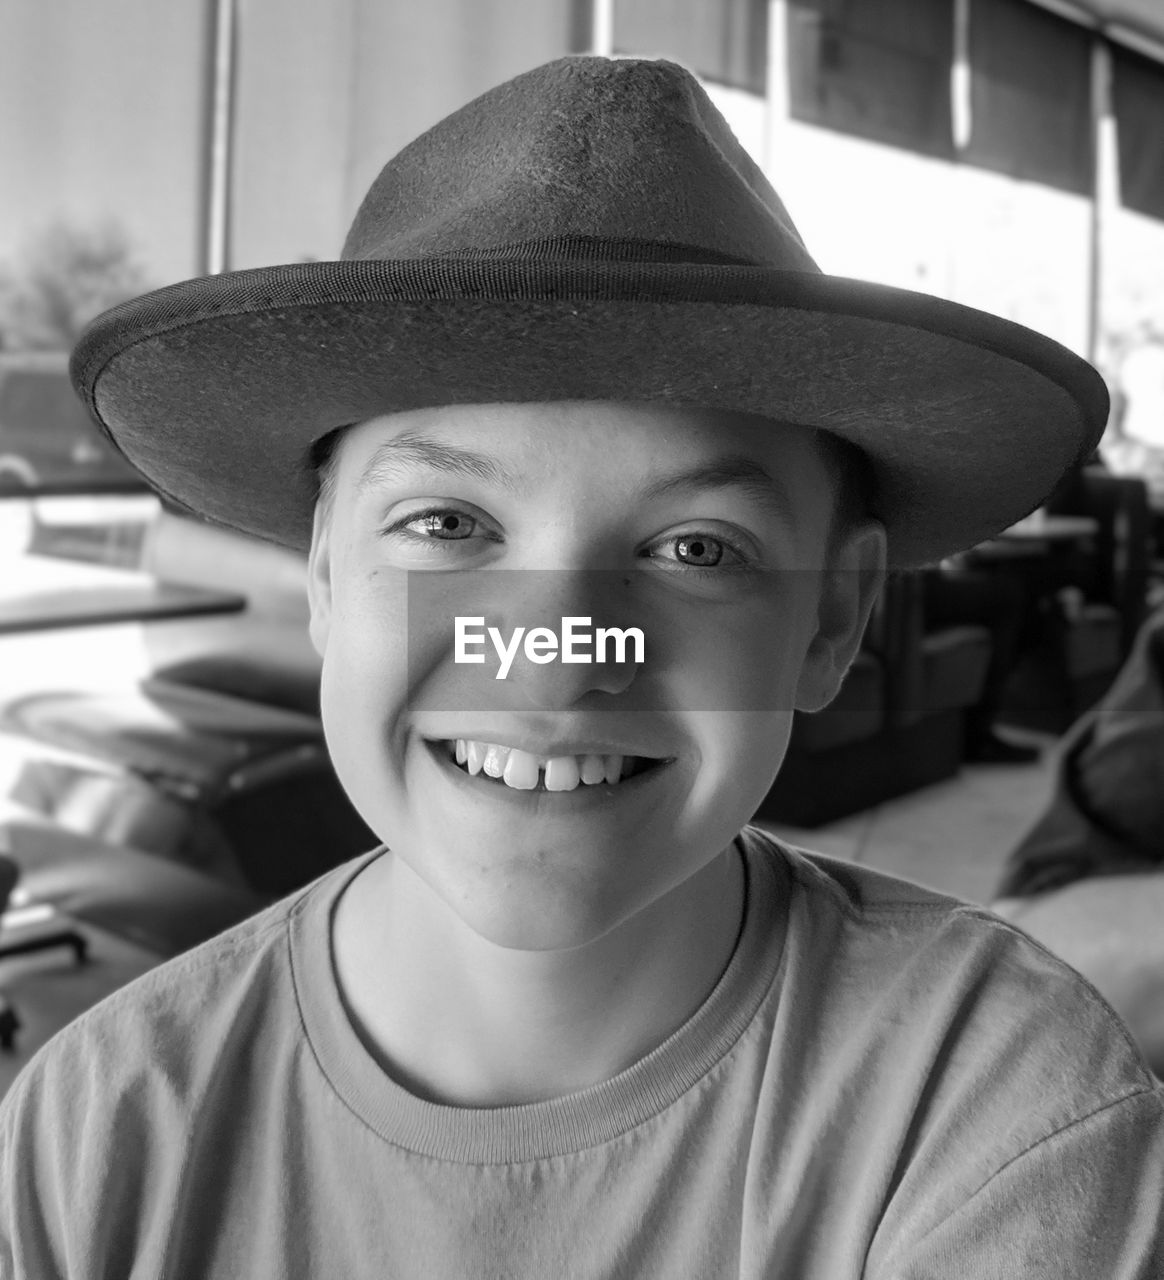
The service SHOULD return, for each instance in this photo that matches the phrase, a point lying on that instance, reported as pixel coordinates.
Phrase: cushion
(954, 662)
(1091, 641)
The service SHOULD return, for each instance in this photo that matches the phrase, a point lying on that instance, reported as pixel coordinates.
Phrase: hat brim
(216, 389)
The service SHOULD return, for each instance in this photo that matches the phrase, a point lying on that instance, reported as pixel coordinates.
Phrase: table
(82, 487)
(1045, 557)
(1035, 535)
(38, 593)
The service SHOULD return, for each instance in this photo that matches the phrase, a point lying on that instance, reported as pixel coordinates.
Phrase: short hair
(853, 481)
(324, 461)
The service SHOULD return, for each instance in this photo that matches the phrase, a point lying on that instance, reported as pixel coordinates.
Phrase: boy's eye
(698, 551)
(436, 524)
(703, 552)
(448, 525)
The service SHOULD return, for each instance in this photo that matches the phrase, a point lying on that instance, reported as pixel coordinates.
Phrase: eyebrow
(414, 450)
(734, 471)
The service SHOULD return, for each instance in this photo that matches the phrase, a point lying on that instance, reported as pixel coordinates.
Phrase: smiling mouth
(523, 771)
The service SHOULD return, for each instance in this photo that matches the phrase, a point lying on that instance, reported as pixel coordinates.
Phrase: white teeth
(593, 770)
(476, 756)
(562, 773)
(521, 769)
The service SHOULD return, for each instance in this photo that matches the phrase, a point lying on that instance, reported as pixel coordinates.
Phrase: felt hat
(589, 230)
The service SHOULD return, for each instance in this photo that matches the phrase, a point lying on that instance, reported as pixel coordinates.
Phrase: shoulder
(941, 951)
(1080, 1200)
(160, 1019)
(103, 1121)
(986, 1042)
(903, 922)
(97, 1125)
(176, 1021)
(855, 890)
(983, 1072)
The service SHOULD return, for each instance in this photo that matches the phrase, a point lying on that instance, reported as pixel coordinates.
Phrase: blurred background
(157, 695)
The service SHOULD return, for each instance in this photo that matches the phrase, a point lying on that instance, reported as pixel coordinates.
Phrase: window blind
(1138, 99)
(879, 69)
(721, 40)
(1030, 94)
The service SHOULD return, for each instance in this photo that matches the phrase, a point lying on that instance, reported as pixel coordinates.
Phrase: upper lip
(551, 747)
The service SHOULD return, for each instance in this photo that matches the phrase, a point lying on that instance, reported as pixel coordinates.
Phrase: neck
(459, 1020)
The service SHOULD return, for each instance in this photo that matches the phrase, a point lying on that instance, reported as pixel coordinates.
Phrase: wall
(103, 104)
(101, 116)
(100, 119)
(328, 93)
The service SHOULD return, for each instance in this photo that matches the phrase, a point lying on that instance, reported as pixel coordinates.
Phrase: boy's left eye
(703, 552)
(697, 551)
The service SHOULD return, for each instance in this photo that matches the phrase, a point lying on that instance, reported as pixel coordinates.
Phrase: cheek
(735, 678)
(741, 658)
(740, 753)
(364, 685)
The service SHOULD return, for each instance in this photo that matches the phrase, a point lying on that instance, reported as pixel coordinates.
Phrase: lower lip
(536, 799)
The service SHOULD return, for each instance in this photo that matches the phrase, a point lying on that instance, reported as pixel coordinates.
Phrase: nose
(591, 642)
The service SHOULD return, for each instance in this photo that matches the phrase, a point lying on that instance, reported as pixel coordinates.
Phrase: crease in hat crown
(581, 149)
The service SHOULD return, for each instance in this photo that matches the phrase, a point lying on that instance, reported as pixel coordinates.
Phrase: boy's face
(708, 531)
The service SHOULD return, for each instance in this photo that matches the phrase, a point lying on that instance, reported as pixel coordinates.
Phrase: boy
(576, 370)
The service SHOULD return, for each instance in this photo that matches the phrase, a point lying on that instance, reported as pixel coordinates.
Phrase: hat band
(599, 249)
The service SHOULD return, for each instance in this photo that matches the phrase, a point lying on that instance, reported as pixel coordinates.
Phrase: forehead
(502, 441)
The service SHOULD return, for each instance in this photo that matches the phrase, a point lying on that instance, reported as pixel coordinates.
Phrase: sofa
(897, 722)
(1087, 626)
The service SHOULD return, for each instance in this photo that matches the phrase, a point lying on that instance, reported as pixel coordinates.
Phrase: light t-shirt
(908, 1087)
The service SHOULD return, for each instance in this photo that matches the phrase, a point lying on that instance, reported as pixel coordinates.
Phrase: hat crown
(579, 152)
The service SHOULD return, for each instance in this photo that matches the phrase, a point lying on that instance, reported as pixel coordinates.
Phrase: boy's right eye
(432, 525)
(448, 525)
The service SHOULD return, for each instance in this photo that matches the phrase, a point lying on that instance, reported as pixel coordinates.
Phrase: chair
(1088, 626)
(237, 790)
(11, 944)
(172, 808)
(1116, 573)
(158, 905)
(897, 722)
(263, 655)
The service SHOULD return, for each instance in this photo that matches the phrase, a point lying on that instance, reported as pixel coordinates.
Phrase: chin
(534, 907)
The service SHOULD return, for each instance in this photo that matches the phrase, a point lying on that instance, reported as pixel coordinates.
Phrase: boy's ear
(319, 566)
(849, 586)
